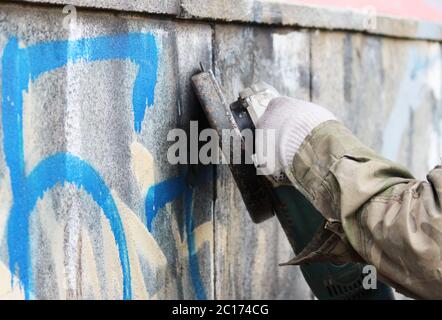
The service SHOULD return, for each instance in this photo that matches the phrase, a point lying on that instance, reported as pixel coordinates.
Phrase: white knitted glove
(292, 121)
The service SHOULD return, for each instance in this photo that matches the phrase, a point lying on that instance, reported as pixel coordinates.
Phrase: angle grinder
(264, 199)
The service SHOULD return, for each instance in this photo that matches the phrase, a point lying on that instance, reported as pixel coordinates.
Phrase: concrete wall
(90, 207)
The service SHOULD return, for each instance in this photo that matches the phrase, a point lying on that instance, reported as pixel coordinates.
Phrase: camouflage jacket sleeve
(391, 220)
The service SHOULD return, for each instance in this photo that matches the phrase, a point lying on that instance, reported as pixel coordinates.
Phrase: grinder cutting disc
(255, 189)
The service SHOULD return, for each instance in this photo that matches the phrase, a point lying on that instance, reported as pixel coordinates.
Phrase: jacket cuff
(310, 174)
(310, 169)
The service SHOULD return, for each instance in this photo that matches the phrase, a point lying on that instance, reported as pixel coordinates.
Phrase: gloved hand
(292, 121)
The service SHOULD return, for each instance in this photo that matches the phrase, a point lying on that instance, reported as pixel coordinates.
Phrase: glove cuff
(300, 119)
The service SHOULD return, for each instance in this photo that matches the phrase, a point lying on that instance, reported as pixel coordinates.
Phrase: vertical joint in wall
(310, 65)
(215, 173)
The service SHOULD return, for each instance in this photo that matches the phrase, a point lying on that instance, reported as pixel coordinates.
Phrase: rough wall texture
(90, 207)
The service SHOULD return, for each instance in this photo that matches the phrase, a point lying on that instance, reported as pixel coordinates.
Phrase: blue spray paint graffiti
(167, 191)
(24, 65)
(160, 195)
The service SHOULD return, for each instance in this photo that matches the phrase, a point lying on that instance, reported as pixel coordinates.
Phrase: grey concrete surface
(85, 109)
(109, 217)
(308, 16)
(271, 13)
(387, 91)
(171, 7)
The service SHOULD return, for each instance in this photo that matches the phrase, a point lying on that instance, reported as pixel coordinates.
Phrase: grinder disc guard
(255, 189)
